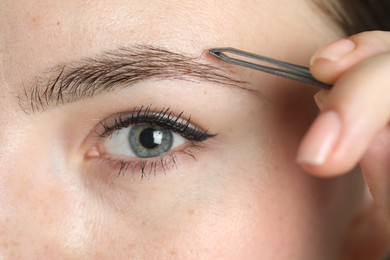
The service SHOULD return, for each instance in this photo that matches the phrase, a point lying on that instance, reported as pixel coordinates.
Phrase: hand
(353, 125)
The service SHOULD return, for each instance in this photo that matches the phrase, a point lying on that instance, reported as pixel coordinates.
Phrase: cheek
(278, 204)
(33, 206)
(267, 207)
(37, 194)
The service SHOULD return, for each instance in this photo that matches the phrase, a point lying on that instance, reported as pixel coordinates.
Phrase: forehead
(92, 23)
(47, 32)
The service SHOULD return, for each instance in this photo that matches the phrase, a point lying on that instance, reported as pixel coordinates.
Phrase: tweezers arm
(279, 68)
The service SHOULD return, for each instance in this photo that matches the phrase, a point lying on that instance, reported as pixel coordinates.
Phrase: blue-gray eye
(150, 141)
(143, 141)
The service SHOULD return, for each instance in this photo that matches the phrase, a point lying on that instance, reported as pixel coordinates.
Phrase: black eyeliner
(163, 118)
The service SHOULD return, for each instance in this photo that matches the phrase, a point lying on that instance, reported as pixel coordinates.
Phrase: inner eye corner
(146, 138)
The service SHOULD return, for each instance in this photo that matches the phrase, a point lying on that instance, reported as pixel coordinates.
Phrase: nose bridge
(4, 87)
(7, 104)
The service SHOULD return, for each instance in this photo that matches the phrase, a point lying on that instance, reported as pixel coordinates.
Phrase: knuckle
(378, 40)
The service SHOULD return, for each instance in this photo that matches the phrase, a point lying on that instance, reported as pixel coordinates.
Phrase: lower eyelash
(162, 118)
(150, 167)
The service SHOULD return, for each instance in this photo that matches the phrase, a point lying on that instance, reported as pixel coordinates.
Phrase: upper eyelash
(162, 118)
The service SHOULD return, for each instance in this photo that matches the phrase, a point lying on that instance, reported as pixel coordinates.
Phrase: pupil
(147, 139)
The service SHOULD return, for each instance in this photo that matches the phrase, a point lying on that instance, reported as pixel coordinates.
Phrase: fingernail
(335, 51)
(320, 139)
(320, 98)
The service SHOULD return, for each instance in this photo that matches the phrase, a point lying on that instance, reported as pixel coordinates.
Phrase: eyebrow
(114, 70)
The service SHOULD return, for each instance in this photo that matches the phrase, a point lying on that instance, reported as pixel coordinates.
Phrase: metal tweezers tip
(278, 68)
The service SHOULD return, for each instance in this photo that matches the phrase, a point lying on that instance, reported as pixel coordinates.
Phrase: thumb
(330, 62)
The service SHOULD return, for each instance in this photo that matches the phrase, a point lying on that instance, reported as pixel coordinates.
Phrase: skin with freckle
(242, 198)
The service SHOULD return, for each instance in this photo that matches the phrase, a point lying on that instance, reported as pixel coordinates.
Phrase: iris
(149, 141)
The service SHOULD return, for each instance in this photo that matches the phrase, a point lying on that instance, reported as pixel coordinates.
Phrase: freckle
(58, 23)
(173, 252)
(35, 20)
(191, 212)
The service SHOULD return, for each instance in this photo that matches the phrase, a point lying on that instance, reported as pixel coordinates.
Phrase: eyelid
(163, 117)
(145, 115)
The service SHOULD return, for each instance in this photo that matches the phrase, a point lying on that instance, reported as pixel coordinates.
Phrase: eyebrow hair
(117, 69)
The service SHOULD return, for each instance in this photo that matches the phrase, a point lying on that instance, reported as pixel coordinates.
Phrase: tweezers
(280, 68)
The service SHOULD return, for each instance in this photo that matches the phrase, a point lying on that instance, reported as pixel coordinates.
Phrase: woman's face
(122, 138)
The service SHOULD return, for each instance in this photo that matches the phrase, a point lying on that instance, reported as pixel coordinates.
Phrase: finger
(376, 169)
(332, 61)
(357, 108)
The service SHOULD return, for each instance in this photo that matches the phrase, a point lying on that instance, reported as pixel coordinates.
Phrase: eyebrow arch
(117, 69)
